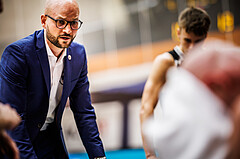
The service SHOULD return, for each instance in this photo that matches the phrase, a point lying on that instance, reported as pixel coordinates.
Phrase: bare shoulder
(163, 60)
(160, 66)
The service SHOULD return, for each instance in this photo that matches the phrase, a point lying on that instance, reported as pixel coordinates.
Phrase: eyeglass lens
(74, 24)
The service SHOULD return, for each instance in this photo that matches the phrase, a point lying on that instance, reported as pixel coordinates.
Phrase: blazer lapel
(67, 74)
(66, 85)
(43, 58)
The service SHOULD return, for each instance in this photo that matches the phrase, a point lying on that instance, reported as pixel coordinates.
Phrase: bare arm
(153, 85)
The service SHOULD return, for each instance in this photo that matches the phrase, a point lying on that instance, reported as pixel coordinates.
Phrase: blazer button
(39, 125)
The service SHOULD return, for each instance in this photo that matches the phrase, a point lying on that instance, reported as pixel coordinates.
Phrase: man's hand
(8, 146)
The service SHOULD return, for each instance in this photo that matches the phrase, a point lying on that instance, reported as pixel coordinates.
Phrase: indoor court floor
(119, 154)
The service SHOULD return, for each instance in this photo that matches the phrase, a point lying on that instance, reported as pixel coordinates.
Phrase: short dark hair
(194, 20)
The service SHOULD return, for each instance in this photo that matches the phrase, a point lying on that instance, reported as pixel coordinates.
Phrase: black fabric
(47, 144)
(2, 156)
(174, 54)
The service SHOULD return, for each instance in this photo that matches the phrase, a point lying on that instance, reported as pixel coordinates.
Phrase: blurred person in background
(37, 75)
(193, 24)
(234, 140)
(198, 104)
(9, 119)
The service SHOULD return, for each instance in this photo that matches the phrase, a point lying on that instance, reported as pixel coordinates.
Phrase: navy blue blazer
(25, 85)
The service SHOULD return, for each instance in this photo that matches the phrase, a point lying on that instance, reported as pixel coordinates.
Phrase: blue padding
(119, 154)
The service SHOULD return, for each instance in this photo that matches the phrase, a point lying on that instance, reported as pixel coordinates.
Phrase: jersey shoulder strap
(174, 55)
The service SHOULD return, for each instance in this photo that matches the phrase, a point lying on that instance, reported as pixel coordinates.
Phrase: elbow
(145, 112)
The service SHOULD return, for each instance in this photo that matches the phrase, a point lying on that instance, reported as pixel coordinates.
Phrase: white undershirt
(195, 123)
(56, 69)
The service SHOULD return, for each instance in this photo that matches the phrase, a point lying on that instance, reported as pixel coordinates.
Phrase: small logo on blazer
(69, 57)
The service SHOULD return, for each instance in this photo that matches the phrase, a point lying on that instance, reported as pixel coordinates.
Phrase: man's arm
(13, 90)
(84, 114)
(152, 87)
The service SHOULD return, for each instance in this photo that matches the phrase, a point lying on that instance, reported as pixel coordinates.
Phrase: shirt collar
(180, 54)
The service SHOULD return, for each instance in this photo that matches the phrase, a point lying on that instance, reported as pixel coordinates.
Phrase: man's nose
(68, 29)
(191, 45)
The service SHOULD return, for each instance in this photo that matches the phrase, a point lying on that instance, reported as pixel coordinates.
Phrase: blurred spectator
(197, 106)
(234, 152)
(8, 120)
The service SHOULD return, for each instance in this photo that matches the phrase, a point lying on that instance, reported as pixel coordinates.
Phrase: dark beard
(55, 41)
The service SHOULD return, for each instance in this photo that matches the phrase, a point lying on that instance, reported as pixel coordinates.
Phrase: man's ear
(219, 83)
(215, 87)
(178, 31)
(43, 21)
(206, 36)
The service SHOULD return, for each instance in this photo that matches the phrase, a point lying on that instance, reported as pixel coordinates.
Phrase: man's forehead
(191, 36)
(55, 6)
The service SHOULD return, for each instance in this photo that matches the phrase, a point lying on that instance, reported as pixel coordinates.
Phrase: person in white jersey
(199, 106)
(193, 24)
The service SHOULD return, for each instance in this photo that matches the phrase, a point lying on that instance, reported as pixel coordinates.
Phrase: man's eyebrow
(187, 39)
(59, 17)
(75, 19)
(199, 40)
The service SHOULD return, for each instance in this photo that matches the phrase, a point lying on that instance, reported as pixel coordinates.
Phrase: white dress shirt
(194, 124)
(56, 69)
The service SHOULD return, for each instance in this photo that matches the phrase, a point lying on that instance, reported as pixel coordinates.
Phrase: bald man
(197, 120)
(37, 75)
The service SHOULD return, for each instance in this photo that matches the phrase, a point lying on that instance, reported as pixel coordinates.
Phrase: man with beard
(37, 75)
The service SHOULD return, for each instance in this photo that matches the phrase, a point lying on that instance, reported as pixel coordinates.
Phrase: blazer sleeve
(84, 114)
(13, 90)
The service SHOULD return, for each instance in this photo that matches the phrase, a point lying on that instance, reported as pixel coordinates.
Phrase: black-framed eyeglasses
(61, 23)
